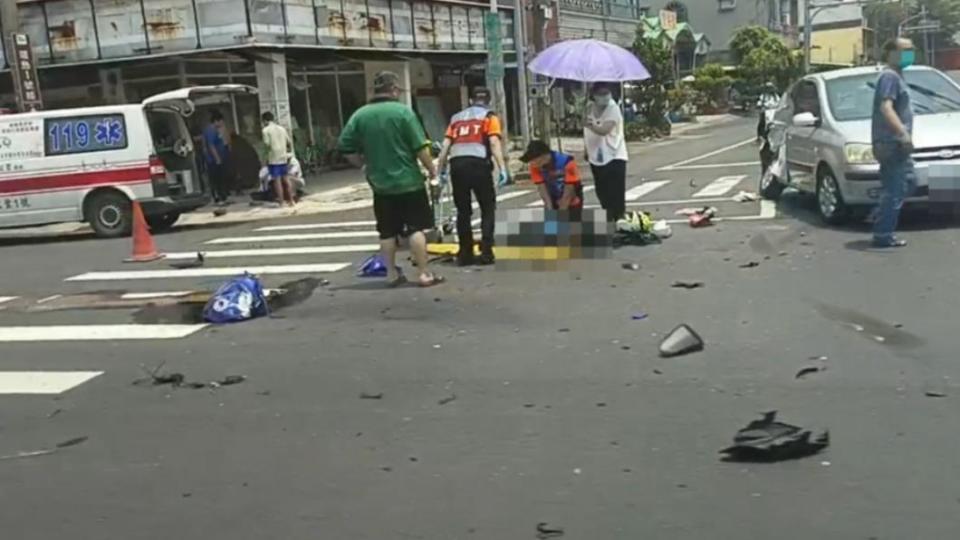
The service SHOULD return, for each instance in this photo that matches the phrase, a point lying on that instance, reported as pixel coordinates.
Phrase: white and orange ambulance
(89, 164)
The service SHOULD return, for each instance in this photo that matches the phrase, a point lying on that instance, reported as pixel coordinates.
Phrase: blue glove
(444, 178)
(504, 179)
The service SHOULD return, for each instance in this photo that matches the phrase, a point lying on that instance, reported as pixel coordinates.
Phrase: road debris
(178, 380)
(46, 451)
(809, 370)
(638, 316)
(219, 212)
(687, 284)
(545, 530)
(197, 262)
(751, 264)
(767, 440)
(680, 341)
(630, 266)
(745, 196)
(239, 299)
(563, 330)
(449, 399)
(935, 393)
(366, 395)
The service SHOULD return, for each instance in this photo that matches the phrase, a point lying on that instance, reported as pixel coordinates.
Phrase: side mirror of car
(806, 119)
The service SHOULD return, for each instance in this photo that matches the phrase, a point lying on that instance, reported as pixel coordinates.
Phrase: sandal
(435, 279)
(400, 280)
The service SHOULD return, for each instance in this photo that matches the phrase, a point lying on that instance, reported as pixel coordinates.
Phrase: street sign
(26, 85)
(495, 68)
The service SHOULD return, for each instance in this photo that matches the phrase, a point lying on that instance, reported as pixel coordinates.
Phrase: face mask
(602, 100)
(907, 58)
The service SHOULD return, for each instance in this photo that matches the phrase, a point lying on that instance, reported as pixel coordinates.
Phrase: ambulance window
(81, 134)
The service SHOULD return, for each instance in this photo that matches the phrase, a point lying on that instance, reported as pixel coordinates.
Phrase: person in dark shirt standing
(893, 140)
(387, 138)
(215, 151)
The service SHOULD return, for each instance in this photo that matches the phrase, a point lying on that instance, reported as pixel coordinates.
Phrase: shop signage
(26, 85)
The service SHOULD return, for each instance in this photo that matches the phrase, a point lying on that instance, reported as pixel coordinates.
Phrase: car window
(806, 98)
(851, 98)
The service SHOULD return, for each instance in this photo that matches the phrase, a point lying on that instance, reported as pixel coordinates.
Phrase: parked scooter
(773, 148)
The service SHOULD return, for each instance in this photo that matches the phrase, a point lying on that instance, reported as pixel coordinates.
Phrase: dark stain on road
(870, 327)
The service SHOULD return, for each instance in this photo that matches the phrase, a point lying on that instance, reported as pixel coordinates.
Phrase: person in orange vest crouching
(473, 146)
(557, 178)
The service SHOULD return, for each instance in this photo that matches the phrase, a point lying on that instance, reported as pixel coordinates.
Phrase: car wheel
(110, 214)
(770, 186)
(162, 222)
(830, 203)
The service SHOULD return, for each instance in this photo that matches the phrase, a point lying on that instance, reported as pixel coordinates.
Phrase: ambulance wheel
(109, 214)
(162, 222)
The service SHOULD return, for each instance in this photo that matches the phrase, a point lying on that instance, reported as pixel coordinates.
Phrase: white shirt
(277, 140)
(602, 149)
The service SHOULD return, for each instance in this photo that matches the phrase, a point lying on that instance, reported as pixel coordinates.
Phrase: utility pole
(520, 45)
(495, 68)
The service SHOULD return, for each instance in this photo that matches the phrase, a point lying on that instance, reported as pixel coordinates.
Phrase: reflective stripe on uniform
(467, 129)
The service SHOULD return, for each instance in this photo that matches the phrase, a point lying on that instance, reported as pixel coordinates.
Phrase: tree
(884, 18)
(651, 94)
(712, 82)
(764, 57)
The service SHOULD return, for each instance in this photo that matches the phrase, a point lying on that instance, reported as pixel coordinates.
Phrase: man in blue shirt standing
(893, 141)
(215, 152)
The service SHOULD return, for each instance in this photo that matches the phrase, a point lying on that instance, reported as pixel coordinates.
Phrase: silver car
(825, 120)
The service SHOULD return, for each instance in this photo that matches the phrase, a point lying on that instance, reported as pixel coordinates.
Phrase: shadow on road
(916, 218)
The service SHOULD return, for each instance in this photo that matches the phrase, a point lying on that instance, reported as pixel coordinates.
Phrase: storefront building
(312, 61)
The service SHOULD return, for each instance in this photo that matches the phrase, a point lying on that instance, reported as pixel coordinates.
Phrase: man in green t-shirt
(387, 138)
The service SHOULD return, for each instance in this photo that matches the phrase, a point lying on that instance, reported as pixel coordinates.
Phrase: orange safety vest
(468, 133)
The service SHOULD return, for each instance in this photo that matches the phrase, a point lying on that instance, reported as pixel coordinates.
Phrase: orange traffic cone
(144, 250)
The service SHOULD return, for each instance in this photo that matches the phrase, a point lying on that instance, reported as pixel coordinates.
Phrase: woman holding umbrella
(606, 149)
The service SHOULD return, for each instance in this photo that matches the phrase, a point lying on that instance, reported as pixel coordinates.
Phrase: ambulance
(89, 164)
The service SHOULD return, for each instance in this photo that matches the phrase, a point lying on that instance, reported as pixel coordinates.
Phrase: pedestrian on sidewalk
(557, 178)
(893, 141)
(216, 156)
(386, 137)
(473, 146)
(606, 148)
(279, 152)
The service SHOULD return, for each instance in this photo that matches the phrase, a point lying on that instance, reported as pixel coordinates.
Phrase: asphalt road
(508, 398)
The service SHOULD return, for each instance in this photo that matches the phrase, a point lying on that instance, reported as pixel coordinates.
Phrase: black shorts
(403, 213)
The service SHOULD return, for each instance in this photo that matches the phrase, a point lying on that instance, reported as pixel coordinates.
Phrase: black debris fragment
(365, 395)
(178, 380)
(46, 451)
(809, 370)
(219, 212)
(766, 440)
(193, 263)
(630, 266)
(681, 340)
(264, 393)
(687, 284)
(544, 530)
(72, 442)
(54, 413)
(449, 399)
(935, 393)
(563, 330)
(751, 264)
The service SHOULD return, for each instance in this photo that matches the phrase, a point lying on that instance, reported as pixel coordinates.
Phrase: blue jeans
(898, 181)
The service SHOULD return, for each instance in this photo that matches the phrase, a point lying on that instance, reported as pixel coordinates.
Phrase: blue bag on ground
(239, 299)
(373, 266)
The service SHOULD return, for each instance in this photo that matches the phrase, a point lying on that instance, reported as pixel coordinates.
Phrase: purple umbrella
(589, 60)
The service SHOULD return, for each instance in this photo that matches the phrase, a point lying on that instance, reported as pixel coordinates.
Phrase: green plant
(713, 82)
(764, 57)
(651, 94)
(641, 131)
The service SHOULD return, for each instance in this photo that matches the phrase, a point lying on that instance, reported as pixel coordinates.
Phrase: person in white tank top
(606, 148)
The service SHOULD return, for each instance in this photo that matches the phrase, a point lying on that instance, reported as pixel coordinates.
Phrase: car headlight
(858, 153)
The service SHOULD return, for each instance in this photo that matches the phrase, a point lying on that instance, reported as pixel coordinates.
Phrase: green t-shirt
(389, 136)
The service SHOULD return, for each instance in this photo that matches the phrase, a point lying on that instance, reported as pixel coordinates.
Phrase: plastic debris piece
(231, 380)
(638, 316)
(449, 399)
(373, 266)
(662, 229)
(745, 196)
(365, 395)
(630, 266)
(239, 299)
(544, 531)
(935, 393)
(687, 284)
(680, 341)
(194, 263)
(766, 440)
(809, 370)
(751, 264)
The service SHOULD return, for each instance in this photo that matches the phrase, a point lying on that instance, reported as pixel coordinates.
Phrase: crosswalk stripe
(96, 332)
(293, 237)
(720, 186)
(43, 382)
(207, 272)
(4, 299)
(276, 252)
(152, 295)
(310, 226)
(644, 189)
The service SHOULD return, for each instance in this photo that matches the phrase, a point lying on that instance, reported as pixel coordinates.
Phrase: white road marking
(507, 196)
(43, 382)
(150, 295)
(720, 186)
(4, 299)
(708, 154)
(293, 237)
(644, 189)
(207, 272)
(768, 210)
(96, 332)
(276, 252)
(49, 298)
(716, 166)
(310, 226)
